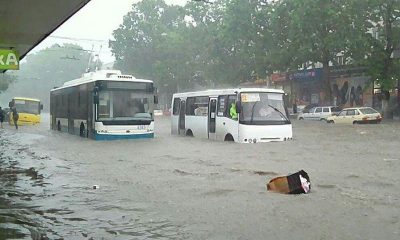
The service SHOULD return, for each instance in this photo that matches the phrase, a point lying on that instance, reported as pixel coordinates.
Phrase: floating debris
(295, 183)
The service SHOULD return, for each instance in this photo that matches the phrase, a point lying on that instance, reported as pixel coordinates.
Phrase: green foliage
(5, 81)
(150, 42)
(383, 18)
(231, 41)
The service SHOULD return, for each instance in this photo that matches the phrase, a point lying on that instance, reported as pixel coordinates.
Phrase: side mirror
(10, 104)
(238, 107)
(155, 99)
(96, 95)
(41, 106)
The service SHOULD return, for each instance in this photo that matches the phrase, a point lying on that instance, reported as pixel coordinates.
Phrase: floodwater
(174, 187)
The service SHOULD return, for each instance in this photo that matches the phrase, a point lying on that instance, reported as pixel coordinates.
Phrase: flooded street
(174, 187)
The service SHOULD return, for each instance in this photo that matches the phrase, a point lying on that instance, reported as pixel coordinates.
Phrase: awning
(24, 24)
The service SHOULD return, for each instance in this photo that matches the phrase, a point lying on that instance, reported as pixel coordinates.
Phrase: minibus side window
(222, 106)
(177, 103)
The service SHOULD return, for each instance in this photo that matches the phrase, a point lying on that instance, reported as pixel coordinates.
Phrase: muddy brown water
(174, 187)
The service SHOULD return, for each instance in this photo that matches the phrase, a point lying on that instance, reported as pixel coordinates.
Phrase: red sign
(278, 77)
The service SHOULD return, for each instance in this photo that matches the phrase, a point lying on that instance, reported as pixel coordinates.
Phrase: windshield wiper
(252, 111)
(283, 115)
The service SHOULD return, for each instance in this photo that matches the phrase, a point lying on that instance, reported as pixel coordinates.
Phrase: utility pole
(90, 60)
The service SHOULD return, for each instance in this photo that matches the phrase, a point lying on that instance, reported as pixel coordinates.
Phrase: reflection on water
(174, 187)
(17, 217)
(37, 201)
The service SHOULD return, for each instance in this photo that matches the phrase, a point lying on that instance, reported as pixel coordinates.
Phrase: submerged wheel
(189, 133)
(229, 138)
(330, 121)
(301, 118)
(58, 126)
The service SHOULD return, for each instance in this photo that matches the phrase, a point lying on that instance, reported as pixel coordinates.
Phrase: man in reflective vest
(232, 111)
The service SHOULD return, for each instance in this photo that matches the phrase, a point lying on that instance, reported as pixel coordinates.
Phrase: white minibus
(245, 115)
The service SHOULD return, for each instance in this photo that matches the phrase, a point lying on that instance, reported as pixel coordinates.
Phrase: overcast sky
(96, 21)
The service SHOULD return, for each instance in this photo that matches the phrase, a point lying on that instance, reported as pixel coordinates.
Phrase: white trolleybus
(245, 115)
(104, 105)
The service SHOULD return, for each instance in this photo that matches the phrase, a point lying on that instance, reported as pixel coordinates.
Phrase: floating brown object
(295, 183)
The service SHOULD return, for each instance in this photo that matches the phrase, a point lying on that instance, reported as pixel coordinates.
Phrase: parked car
(318, 113)
(356, 116)
(305, 108)
(158, 112)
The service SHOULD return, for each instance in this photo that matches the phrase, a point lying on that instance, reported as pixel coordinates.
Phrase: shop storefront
(307, 86)
(350, 87)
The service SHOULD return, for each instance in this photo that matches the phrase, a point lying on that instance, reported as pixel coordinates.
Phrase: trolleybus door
(212, 114)
(181, 121)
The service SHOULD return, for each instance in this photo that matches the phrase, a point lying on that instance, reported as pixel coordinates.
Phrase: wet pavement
(174, 187)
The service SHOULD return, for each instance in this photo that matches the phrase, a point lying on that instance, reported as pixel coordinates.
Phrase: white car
(158, 112)
(356, 116)
(318, 113)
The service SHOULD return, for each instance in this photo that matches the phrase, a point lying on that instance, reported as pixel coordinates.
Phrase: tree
(383, 20)
(240, 45)
(200, 44)
(150, 44)
(5, 81)
(312, 31)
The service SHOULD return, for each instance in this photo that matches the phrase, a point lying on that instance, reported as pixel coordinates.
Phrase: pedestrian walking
(2, 116)
(15, 117)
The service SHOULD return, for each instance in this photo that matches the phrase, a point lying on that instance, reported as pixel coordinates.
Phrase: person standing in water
(1, 117)
(15, 117)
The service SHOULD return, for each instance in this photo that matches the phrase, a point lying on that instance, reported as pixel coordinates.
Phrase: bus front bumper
(99, 136)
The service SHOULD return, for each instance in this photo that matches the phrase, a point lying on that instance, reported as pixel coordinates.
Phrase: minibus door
(212, 114)
(181, 121)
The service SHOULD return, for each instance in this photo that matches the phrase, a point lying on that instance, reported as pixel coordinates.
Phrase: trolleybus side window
(177, 103)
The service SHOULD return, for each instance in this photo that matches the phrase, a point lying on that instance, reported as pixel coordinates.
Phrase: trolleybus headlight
(250, 140)
(254, 140)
